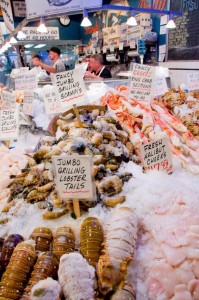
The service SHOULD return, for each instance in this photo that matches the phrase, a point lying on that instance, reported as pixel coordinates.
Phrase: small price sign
(156, 155)
(74, 177)
(51, 101)
(193, 81)
(9, 124)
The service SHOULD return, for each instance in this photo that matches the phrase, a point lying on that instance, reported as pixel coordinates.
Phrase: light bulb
(42, 28)
(131, 21)
(86, 22)
(171, 24)
(21, 35)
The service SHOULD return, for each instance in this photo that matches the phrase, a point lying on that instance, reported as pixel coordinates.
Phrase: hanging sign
(7, 14)
(141, 82)
(193, 81)
(160, 86)
(69, 88)
(74, 176)
(9, 124)
(38, 8)
(26, 81)
(27, 102)
(33, 35)
(19, 8)
(8, 100)
(156, 155)
(51, 102)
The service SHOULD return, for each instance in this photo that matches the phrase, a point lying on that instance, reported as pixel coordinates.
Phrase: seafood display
(185, 106)
(76, 277)
(17, 271)
(118, 251)
(91, 238)
(43, 238)
(63, 241)
(7, 249)
(46, 266)
(46, 289)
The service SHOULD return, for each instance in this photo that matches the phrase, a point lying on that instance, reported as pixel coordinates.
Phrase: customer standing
(58, 66)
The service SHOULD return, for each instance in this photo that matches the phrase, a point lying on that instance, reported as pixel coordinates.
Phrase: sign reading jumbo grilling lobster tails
(39, 8)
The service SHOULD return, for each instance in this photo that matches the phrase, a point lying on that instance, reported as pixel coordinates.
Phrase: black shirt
(104, 73)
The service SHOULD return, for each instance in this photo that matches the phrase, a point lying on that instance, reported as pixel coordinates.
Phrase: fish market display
(63, 241)
(91, 238)
(119, 248)
(185, 106)
(46, 289)
(16, 275)
(43, 237)
(46, 266)
(76, 277)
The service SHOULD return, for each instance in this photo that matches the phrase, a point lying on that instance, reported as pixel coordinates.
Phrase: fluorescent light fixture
(40, 46)
(42, 27)
(13, 40)
(29, 46)
(85, 22)
(132, 20)
(171, 24)
(21, 35)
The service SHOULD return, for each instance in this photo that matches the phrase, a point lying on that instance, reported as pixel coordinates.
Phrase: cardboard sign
(19, 8)
(33, 35)
(51, 102)
(160, 86)
(193, 81)
(26, 81)
(39, 8)
(141, 82)
(156, 155)
(8, 100)
(74, 176)
(7, 14)
(69, 87)
(27, 103)
(9, 124)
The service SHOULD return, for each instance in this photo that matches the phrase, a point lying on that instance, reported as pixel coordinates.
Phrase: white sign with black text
(51, 102)
(193, 81)
(33, 35)
(27, 102)
(70, 88)
(160, 86)
(141, 82)
(19, 8)
(73, 177)
(7, 14)
(156, 155)
(39, 8)
(9, 124)
(26, 81)
(8, 100)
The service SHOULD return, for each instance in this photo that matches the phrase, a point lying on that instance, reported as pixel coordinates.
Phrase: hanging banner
(38, 8)
(19, 8)
(9, 124)
(156, 155)
(73, 176)
(33, 35)
(141, 82)
(7, 14)
(69, 88)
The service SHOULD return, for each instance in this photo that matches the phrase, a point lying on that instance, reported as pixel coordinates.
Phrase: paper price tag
(157, 155)
(121, 46)
(27, 103)
(104, 49)
(9, 124)
(132, 44)
(112, 49)
(51, 102)
(73, 176)
(98, 50)
(26, 81)
(8, 100)
(193, 81)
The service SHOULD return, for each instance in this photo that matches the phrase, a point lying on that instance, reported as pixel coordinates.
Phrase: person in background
(58, 66)
(97, 70)
(36, 59)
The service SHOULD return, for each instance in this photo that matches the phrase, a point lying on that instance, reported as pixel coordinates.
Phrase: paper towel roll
(133, 54)
(112, 57)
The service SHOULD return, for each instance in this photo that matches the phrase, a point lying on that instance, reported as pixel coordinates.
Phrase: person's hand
(88, 74)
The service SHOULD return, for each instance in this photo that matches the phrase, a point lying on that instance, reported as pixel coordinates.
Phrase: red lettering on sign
(93, 29)
(158, 4)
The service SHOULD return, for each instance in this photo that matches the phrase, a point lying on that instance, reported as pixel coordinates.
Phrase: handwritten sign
(141, 82)
(69, 87)
(160, 86)
(26, 81)
(8, 100)
(27, 103)
(193, 81)
(9, 124)
(19, 8)
(73, 176)
(51, 102)
(156, 156)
